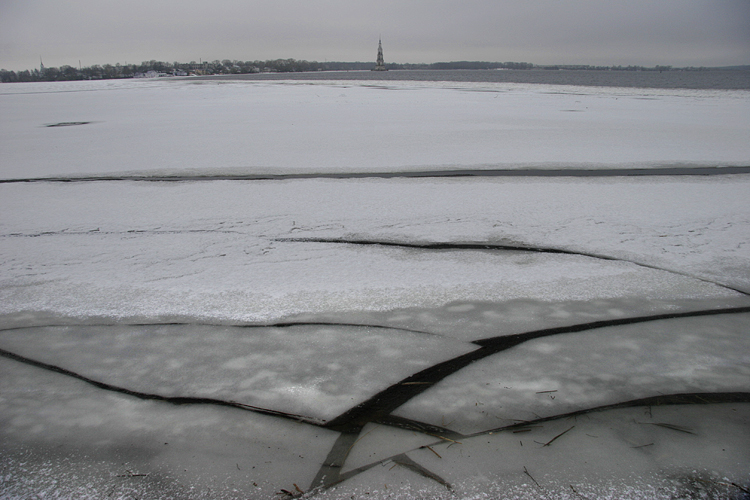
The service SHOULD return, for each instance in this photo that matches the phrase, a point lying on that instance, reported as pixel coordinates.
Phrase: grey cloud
(677, 32)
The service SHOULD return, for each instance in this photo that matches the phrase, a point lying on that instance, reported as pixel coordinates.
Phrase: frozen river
(401, 289)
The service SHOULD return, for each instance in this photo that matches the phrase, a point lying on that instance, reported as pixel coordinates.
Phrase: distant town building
(380, 64)
(152, 74)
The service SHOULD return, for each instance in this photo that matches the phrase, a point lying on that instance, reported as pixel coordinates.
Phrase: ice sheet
(84, 262)
(208, 126)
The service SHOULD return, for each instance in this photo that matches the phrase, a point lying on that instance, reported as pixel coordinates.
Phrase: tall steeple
(380, 63)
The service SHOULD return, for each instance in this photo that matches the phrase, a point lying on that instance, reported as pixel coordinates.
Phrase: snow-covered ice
(225, 249)
(244, 126)
(237, 338)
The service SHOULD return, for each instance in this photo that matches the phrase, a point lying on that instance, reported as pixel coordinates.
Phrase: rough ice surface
(217, 339)
(612, 455)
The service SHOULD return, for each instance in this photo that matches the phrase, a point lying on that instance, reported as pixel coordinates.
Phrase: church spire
(380, 63)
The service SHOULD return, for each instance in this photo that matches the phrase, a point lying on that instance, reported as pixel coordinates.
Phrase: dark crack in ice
(406, 174)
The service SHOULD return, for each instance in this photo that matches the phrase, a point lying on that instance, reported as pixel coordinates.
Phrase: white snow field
(173, 326)
(160, 126)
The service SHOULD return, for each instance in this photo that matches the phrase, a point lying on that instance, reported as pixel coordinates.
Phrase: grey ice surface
(561, 374)
(315, 371)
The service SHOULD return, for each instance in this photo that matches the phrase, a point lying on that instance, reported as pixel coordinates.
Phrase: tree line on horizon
(227, 67)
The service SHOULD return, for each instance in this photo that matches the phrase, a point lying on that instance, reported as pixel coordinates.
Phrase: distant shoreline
(714, 79)
(150, 69)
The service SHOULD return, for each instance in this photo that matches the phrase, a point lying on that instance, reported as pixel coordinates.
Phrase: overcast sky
(606, 32)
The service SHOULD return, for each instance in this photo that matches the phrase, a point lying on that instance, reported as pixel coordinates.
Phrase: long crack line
(407, 174)
(175, 400)
(511, 340)
(499, 247)
(284, 324)
(692, 398)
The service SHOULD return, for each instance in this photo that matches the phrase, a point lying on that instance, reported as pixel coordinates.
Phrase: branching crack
(404, 461)
(661, 400)
(330, 471)
(424, 428)
(386, 401)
